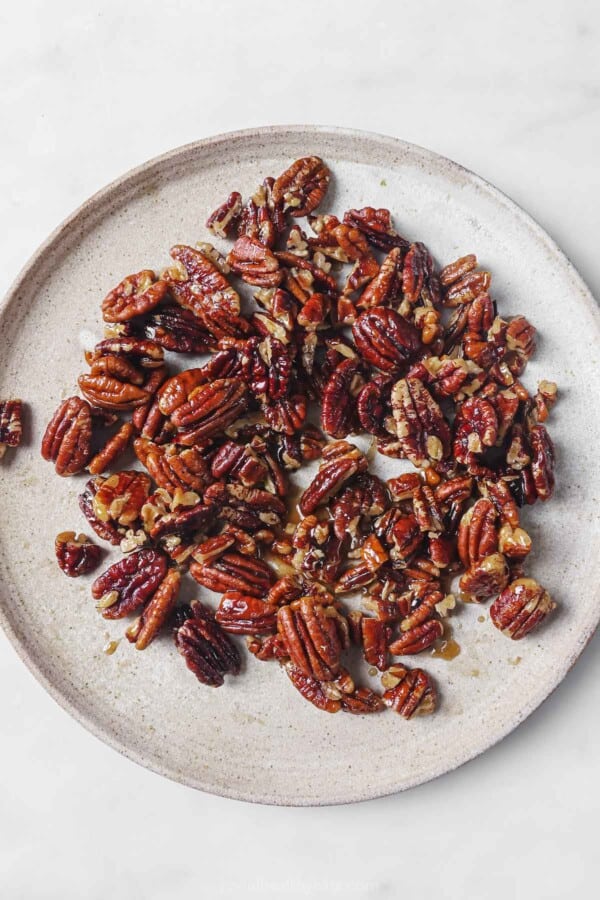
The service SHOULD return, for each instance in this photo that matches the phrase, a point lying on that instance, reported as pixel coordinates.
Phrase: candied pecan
(341, 462)
(449, 377)
(411, 692)
(11, 428)
(477, 534)
(314, 635)
(373, 405)
(213, 547)
(138, 351)
(135, 295)
(248, 508)
(385, 339)
(302, 186)
(521, 606)
(203, 287)
(286, 415)
(118, 368)
(376, 224)
(544, 400)
(178, 330)
(355, 577)
(239, 462)
(120, 497)
(76, 555)
(456, 270)
(68, 436)
(417, 275)
(254, 262)
(184, 519)
(266, 648)
(172, 467)
(375, 635)
(486, 577)
(266, 366)
(361, 701)
(542, 462)
(514, 542)
(111, 393)
(417, 638)
(385, 289)
(311, 689)
(499, 493)
(148, 419)
(234, 572)
(210, 408)
(207, 650)
(455, 490)
(222, 221)
(240, 613)
(365, 497)
(106, 530)
(129, 583)
(262, 218)
(442, 550)
(114, 447)
(156, 613)
(471, 283)
(520, 337)
(427, 510)
(338, 407)
(404, 486)
(176, 390)
(423, 433)
(318, 552)
(475, 428)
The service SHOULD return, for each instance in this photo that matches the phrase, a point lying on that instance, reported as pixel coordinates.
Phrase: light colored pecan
(109, 392)
(477, 532)
(254, 262)
(422, 431)
(410, 693)
(376, 224)
(210, 408)
(521, 607)
(240, 613)
(156, 612)
(302, 186)
(338, 407)
(68, 437)
(385, 339)
(544, 400)
(129, 583)
(11, 427)
(222, 221)
(134, 296)
(486, 577)
(341, 462)
(207, 650)
(234, 572)
(114, 447)
(76, 555)
(120, 497)
(314, 635)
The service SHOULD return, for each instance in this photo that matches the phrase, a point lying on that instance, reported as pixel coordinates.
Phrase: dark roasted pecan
(341, 461)
(129, 583)
(422, 431)
(418, 280)
(385, 339)
(249, 508)
(386, 288)
(450, 377)
(338, 410)
(486, 577)
(254, 262)
(410, 692)
(178, 330)
(240, 463)
(302, 186)
(373, 405)
(222, 221)
(181, 520)
(314, 634)
(135, 295)
(318, 552)
(207, 650)
(522, 606)
(11, 427)
(262, 218)
(68, 437)
(234, 572)
(241, 613)
(156, 613)
(286, 415)
(76, 555)
(376, 224)
(114, 447)
(365, 498)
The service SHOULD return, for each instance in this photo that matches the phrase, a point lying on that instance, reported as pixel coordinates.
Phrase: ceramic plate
(256, 738)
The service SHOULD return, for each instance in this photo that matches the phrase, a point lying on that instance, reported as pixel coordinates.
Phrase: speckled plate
(256, 738)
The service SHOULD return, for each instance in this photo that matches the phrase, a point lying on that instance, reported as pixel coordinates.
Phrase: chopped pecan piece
(207, 650)
(11, 428)
(522, 606)
(76, 555)
(68, 437)
(120, 497)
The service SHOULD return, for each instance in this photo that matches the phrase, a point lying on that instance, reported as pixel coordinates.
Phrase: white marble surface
(88, 90)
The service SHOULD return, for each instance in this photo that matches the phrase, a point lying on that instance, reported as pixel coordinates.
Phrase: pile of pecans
(350, 318)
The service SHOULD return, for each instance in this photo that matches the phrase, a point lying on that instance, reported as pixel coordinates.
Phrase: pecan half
(11, 428)
(207, 650)
(135, 295)
(240, 613)
(178, 330)
(114, 447)
(210, 408)
(222, 221)
(108, 531)
(477, 533)
(156, 613)
(254, 262)
(120, 497)
(542, 461)
(338, 405)
(341, 462)
(302, 186)
(314, 635)
(249, 508)
(475, 429)
(129, 583)
(76, 555)
(486, 577)
(422, 431)
(312, 689)
(201, 287)
(385, 339)
(173, 467)
(111, 393)
(318, 552)
(522, 606)
(234, 572)
(412, 693)
(417, 638)
(376, 224)
(67, 439)
(375, 635)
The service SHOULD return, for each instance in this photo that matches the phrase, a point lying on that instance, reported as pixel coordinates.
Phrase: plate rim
(93, 204)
